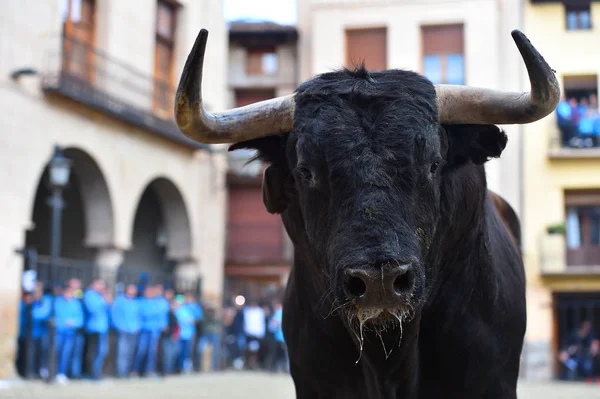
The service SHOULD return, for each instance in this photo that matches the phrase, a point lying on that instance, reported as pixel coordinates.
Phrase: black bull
(407, 279)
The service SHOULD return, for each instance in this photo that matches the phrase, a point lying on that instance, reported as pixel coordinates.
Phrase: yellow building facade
(561, 186)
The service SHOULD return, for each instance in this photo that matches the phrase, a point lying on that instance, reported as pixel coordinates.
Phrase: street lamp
(59, 171)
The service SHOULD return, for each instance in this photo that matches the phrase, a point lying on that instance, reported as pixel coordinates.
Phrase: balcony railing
(578, 129)
(91, 77)
(555, 261)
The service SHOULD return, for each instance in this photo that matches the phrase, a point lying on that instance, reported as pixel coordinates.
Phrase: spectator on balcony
(68, 319)
(41, 309)
(186, 319)
(79, 342)
(585, 125)
(568, 119)
(595, 115)
(127, 321)
(153, 320)
(97, 306)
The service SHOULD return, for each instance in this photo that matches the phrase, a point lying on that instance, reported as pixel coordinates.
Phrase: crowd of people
(579, 122)
(153, 330)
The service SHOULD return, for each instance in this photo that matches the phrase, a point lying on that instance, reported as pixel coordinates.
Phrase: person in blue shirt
(153, 317)
(23, 358)
(186, 319)
(96, 327)
(198, 312)
(79, 340)
(566, 121)
(127, 321)
(40, 313)
(68, 317)
(280, 350)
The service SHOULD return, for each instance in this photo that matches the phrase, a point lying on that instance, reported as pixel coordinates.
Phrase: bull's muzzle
(379, 287)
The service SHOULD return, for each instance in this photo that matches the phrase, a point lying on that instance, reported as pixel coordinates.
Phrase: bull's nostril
(356, 287)
(402, 283)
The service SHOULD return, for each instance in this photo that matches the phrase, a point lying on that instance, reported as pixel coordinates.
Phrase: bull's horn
(471, 105)
(261, 119)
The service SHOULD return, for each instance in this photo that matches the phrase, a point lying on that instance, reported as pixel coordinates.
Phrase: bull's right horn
(265, 118)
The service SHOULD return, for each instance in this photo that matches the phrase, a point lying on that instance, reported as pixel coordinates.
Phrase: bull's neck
(462, 250)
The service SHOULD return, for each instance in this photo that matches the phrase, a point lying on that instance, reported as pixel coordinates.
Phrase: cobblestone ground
(229, 385)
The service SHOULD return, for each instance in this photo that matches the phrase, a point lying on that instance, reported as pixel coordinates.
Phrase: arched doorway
(161, 235)
(87, 220)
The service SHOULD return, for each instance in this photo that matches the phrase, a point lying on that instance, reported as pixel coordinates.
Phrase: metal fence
(87, 271)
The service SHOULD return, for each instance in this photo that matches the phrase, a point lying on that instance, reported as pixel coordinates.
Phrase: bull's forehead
(379, 144)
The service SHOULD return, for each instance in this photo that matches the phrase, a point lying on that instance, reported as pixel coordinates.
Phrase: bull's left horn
(472, 105)
(265, 118)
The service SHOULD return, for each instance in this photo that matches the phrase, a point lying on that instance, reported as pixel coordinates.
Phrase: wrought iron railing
(83, 73)
(86, 271)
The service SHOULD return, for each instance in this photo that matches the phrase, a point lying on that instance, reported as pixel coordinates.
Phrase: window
(261, 61)
(368, 46)
(443, 54)
(577, 115)
(578, 17)
(583, 227)
(164, 53)
(78, 38)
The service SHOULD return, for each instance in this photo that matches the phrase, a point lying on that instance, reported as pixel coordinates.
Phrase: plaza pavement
(229, 385)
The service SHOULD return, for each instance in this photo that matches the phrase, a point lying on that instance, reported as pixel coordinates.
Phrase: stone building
(561, 187)
(262, 65)
(97, 78)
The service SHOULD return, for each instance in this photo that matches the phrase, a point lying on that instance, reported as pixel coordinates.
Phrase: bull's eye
(304, 173)
(434, 167)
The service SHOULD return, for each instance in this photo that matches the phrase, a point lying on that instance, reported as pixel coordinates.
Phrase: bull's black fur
(368, 175)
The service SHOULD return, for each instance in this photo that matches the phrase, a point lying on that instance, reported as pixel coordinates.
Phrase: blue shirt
(40, 312)
(97, 312)
(564, 111)
(68, 315)
(196, 310)
(278, 331)
(186, 321)
(586, 125)
(125, 314)
(153, 314)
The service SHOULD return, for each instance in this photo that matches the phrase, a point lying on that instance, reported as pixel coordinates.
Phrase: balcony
(577, 133)
(90, 77)
(558, 259)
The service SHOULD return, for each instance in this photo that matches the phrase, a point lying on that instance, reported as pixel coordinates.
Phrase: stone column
(187, 272)
(108, 261)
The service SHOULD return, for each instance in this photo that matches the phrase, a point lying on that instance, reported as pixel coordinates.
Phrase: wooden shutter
(253, 234)
(78, 39)
(369, 45)
(164, 54)
(443, 39)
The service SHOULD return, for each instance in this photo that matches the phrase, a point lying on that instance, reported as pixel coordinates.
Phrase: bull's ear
(476, 143)
(273, 188)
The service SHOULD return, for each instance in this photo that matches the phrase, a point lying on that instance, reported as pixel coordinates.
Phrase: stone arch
(88, 218)
(161, 234)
